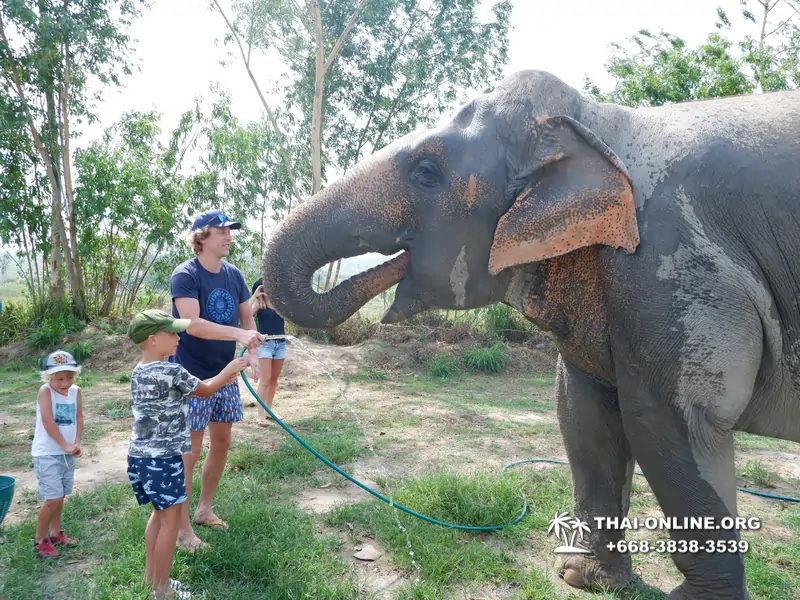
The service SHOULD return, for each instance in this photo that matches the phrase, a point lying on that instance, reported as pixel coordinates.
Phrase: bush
(13, 322)
(488, 360)
(81, 350)
(442, 365)
(506, 323)
(47, 335)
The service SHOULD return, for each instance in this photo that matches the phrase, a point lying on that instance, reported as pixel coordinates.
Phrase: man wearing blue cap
(209, 288)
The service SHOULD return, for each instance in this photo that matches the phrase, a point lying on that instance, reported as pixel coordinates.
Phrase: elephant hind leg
(602, 468)
(688, 458)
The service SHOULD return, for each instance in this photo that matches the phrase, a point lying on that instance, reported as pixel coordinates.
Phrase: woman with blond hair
(271, 353)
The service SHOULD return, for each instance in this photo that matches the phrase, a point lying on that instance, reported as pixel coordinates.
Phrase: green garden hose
(435, 521)
(374, 493)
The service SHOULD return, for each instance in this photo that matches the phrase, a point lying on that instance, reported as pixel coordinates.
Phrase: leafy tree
(49, 52)
(363, 73)
(131, 199)
(773, 54)
(662, 69)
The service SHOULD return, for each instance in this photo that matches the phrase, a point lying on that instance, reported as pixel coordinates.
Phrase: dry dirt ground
(413, 423)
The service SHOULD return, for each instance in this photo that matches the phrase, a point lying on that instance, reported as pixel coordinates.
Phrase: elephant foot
(585, 570)
(687, 591)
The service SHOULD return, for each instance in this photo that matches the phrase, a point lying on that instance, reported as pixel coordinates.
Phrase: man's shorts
(158, 480)
(223, 407)
(273, 349)
(55, 474)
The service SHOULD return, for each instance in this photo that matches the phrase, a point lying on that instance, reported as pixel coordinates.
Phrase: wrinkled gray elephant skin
(661, 246)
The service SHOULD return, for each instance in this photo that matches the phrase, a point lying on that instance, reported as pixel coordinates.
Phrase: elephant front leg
(602, 467)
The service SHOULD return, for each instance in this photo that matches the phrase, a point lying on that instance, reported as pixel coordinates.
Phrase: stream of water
(349, 404)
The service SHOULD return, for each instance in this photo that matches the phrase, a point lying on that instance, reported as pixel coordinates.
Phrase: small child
(56, 444)
(160, 437)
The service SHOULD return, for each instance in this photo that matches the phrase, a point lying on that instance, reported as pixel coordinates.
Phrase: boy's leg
(227, 411)
(49, 473)
(199, 415)
(49, 508)
(168, 520)
(168, 495)
(150, 538)
(67, 481)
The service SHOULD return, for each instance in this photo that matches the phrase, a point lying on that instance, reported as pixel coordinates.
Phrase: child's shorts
(157, 480)
(56, 474)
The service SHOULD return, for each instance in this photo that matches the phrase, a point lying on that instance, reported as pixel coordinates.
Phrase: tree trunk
(67, 161)
(52, 156)
(56, 282)
(111, 294)
(33, 282)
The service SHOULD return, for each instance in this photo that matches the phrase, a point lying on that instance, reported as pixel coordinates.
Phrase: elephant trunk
(320, 231)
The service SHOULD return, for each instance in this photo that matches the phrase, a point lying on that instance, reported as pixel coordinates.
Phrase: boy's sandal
(62, 540)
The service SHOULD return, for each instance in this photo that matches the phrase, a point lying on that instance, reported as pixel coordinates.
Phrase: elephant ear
(581, 195)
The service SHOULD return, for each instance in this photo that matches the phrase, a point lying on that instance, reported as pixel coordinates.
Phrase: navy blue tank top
(269, 322)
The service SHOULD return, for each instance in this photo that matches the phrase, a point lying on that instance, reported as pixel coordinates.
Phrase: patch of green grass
(756, 473)
(15, 457)
(772, 569)
(448, 557)
(442, 366)
(486, 360)
(290, 459)
(118, 408)
(271, 550)
(749, 441)
(540, 381)
(92, 433)
(122, 377)
(86, 379)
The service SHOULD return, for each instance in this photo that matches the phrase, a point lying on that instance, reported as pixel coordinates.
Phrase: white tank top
(65, 414)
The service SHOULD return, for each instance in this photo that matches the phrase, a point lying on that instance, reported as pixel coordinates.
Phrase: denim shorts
(274, 349)
(55, 474)
(223, 407)
(161, 481)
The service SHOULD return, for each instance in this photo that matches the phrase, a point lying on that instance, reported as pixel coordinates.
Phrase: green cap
(151, 321)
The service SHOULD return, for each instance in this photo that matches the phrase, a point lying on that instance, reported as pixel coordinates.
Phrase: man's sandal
(213, 523)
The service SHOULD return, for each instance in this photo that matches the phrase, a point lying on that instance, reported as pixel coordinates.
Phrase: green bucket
(6, 495)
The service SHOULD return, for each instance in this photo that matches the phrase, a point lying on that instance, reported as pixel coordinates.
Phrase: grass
(271, 551)
(275, 550)
(756, 473)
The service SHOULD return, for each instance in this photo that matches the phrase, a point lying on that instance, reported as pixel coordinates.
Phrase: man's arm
(189, 308)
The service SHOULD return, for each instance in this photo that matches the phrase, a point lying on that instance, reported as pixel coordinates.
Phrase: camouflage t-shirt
(160, 413)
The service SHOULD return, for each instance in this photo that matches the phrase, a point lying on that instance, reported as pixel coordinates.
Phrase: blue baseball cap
(215, 218)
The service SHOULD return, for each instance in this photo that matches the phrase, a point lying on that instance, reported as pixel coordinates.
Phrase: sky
(178, 49)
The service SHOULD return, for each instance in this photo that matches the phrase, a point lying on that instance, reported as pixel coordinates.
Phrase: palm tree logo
(561, 525)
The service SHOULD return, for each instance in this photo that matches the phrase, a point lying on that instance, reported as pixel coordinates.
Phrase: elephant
(659, 245)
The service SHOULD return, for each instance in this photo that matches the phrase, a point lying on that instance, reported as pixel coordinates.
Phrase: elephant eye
(426, 174)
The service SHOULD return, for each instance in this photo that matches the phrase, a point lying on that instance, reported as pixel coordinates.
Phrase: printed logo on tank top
(220, 305)
(65, 414)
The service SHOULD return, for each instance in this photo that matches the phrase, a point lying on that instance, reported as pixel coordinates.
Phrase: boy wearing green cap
(160, 437)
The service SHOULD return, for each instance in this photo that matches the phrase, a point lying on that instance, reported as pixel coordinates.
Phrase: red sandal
(62, 540)
(45, 549)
